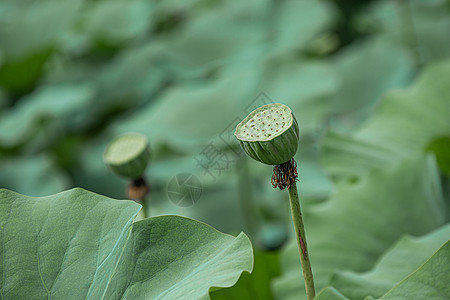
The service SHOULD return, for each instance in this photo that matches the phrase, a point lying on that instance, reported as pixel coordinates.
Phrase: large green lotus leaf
(62, 246)
(248, 10)
(345, 156)
(255, 10)
(421, 26)
(255, 285)
(307, 88)
(29, 33)
(433, 34)
(39, 25)
(404, 124)
(360, 221)
(406, 121)
(330, 293)
(63, 102)
(315, 184)
(134, 74)
(77, 244)
(297, 22)
(430, 281)
(190, 113)
(213, 37)
(171, 257)
(206, 109)
(365, 77)
(172, 6)
(408, 254)
(32, 175)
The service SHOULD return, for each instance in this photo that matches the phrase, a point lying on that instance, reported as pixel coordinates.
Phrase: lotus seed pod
(128, 155)
(269, 134)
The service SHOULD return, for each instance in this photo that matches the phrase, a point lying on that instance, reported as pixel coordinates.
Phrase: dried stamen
(138, 189)
(284, 175)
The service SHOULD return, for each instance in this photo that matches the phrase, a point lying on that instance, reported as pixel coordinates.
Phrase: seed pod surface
(269, 134)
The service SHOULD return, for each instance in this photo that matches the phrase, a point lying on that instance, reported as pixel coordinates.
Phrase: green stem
(145, 208)
(301, 242)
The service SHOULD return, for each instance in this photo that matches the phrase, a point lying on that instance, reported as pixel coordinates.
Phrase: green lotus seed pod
(269, 134)
(128, 155)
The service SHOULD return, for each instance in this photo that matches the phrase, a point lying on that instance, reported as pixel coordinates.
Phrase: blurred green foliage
(367, 80)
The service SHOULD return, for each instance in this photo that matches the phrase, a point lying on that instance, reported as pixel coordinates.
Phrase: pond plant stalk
(127, 156)
(285, 176)
(270, 135)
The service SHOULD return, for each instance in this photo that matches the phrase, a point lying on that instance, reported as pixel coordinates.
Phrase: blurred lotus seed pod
(269, 134)
(127, 155)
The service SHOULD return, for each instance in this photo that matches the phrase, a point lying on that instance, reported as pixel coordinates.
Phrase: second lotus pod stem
(270, 135)
(127, 155)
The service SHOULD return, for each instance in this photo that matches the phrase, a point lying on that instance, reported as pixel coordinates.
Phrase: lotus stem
(301, 241)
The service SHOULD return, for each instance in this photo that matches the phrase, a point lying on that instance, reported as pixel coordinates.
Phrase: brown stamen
(284, 175)
(138, 189)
